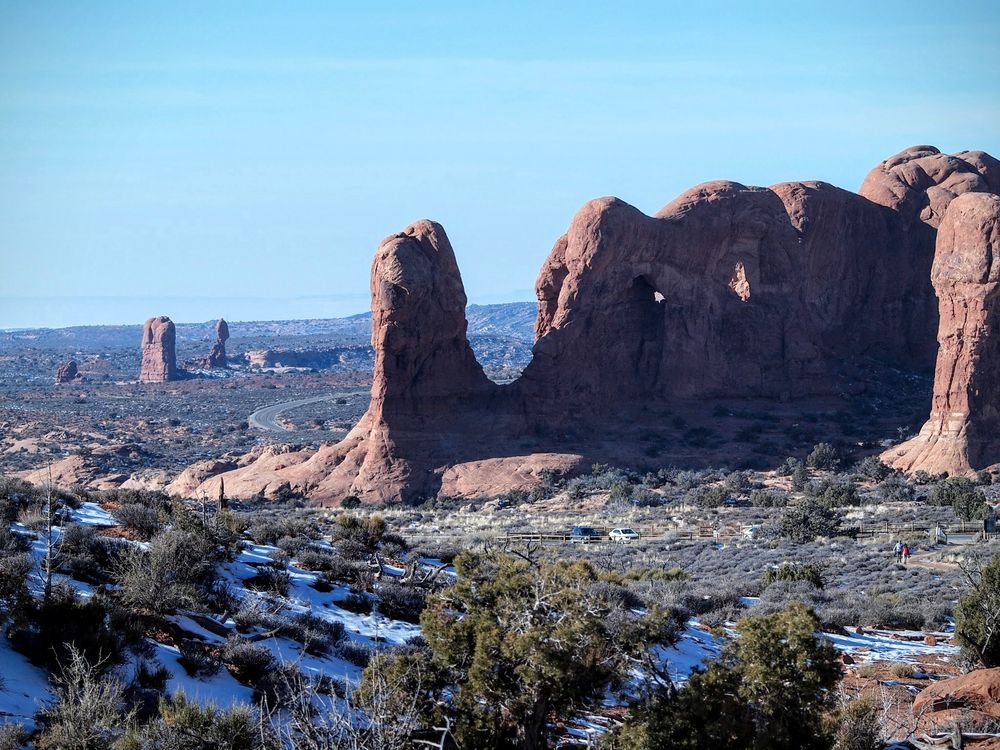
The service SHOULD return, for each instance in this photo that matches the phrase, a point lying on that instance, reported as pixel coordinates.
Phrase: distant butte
(728, 293)
(159, 357)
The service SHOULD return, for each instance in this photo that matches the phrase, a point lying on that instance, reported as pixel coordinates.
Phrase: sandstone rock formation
(963, 432)
(159, 356)
(217, 356)
(67, 372)
(729, 292)
(976, 693)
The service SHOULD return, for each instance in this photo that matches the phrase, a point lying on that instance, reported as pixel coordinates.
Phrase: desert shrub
(142, 519)
(15, 599)
(317, 635)
(357, 603)
(738, 482)
(712, 496)
(269, 529)
(808, 519)
(787, 572)
(895, 489)
(961, 494)
(249, 662)
(273, 579)
(859, 726)
(873, 468)
(400, 602)
(354, 652)
(12, 736)
(621, 493)
(96, 627)
(351, 502)
(839, 494)
(85, 555)
(365, 531)
(800, 475)
(292, 545)
(176, 571)
(768, 499)
(87, 711)
(823, 456)
(902, 670)
(977, 617)
(196, 661)
(187, 725)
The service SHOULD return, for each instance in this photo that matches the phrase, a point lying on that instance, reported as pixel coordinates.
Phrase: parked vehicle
(624, 535)
(584, 534)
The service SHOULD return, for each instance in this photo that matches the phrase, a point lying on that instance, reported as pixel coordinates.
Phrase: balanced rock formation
(729, 292)
(159, 356)
(962, 434)
(217, 356)
(67, 372)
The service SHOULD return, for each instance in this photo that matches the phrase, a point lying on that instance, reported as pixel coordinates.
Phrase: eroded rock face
(159, 356)
(68, 372)
(962, 434)
(425, 373)
(729, 292)
(217, 356)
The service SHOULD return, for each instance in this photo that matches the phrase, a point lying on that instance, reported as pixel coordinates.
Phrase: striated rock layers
(67, 372)
(729, 292)
(963, 432)
(159, 356)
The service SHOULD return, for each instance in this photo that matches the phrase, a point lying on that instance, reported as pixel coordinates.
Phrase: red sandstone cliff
(729, 291)
(962, 434)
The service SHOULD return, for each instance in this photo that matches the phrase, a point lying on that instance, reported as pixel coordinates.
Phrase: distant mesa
(159, 356)
(728, 293)
(68, 372)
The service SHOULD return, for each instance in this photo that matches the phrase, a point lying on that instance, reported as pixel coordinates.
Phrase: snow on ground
(881, 645)
(24, 687)
(92, 514)
(221, 689)
(694, 647)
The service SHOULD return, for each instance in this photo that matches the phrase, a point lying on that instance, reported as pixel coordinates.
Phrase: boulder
(962, 434)
(977, 691)
(159, 356)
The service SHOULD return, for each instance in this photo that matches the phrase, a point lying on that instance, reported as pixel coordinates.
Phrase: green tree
(771, 690)
(808, 519)
(977, 618)
(823, 456)
(961, 494)
(518, 642)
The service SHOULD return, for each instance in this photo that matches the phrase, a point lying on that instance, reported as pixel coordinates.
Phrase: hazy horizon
(251, 151)
(25, 313)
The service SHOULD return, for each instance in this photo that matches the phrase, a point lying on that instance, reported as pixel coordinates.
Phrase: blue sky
(244, 159)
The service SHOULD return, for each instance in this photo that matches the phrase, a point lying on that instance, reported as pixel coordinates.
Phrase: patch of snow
(879, 645)
(24, 688)
(92, 514)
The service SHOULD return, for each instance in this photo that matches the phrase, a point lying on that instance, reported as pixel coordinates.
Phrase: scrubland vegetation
(391, 627)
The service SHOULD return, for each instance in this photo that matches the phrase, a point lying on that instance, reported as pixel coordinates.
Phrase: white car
(624, 536)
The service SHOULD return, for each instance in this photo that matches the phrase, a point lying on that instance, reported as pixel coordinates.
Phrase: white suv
(624, 536)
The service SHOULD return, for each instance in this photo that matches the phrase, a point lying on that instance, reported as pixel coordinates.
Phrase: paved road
(266, 418)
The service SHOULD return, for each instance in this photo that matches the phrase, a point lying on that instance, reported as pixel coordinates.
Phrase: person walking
(898, 551)
(906, 553)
